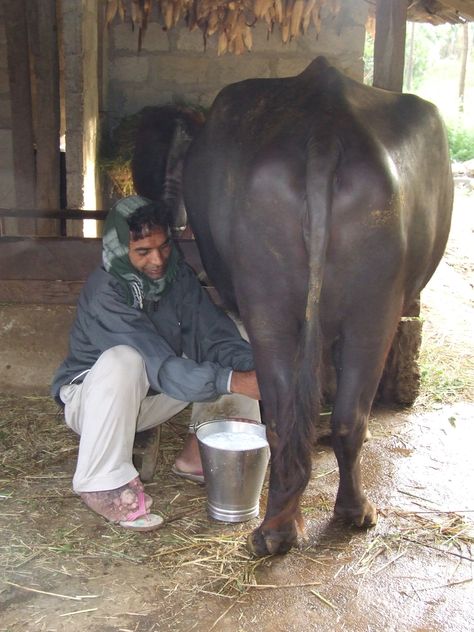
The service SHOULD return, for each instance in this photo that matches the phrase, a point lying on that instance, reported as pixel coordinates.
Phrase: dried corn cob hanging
(231, 21)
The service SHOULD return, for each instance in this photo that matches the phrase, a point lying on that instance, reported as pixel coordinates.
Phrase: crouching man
(146, 341)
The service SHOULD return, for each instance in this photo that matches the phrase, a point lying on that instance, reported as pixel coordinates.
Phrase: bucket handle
(196, 425)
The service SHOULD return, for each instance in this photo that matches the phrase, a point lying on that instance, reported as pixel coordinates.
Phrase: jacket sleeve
(209, 334)
(110, 322)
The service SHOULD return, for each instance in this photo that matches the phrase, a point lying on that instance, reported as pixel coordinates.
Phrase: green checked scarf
(115, 259)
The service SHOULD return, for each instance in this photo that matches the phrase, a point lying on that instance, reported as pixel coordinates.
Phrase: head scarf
(115, 242)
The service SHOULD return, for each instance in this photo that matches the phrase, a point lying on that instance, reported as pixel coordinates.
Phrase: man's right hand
(245, 383)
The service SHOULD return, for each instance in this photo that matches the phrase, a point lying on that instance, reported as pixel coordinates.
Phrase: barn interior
(69, 88)
(71, 73)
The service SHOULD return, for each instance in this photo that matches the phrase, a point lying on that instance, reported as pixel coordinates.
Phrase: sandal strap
(142, 510)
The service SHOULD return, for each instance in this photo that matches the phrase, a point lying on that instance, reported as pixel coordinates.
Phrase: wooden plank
(464, 7)
(48, 258)
(389, 44)
(31, 292)
(66, 258)
(52, 270)
(58, 292)
(78, 214)
(42, 29)
(21, 108)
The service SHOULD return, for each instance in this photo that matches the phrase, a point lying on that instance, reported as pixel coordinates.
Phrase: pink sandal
(141, 520)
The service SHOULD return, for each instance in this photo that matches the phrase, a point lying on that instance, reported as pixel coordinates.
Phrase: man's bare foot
(119, 504)
(188, 460)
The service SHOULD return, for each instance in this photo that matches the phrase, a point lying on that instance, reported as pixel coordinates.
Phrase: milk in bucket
(235, 455)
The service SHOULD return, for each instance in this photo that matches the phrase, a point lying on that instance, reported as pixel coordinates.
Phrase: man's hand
(245, 383)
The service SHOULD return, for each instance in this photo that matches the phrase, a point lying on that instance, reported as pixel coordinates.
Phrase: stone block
(74, 110)
(203, 97)
(189, 41)
(291, 66)
(130, 68)
(264, 42)
(167, 71)
(231, 68)
(72, 33)
(144, 95)
(155, 39)
(73, 79)
(125, 38)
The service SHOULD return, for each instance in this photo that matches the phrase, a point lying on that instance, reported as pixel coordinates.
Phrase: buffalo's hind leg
(289, 435)
(359, 367)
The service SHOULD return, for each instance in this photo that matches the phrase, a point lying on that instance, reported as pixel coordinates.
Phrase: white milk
(235, 441)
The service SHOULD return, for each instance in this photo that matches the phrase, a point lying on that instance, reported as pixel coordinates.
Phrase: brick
(190, 41)
(178, 69)
(155, 39)
(130, 68)
(230, 68)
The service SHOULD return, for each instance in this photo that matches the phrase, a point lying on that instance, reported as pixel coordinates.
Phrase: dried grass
(55, 535)
(37, 460)
(446, 375)
(448, 533)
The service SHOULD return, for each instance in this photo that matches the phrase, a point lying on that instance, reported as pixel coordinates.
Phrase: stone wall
(173, 67)
(105, 76)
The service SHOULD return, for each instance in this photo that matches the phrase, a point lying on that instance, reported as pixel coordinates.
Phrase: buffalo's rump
(321, 208)
(386, 203)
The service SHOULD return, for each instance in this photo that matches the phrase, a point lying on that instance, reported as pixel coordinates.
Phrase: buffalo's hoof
(363, 516)
(261, 543)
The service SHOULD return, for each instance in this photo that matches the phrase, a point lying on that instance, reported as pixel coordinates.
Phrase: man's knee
(124, 361)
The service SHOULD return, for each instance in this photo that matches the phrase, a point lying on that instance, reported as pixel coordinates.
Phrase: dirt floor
(63, 568)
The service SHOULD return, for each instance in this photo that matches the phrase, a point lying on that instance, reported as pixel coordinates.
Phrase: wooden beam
(463, 7)
(43, 36)
(21, 109)
(66, 258)
(389, 45)
(54, 213)
(40, 292)
(52, 270)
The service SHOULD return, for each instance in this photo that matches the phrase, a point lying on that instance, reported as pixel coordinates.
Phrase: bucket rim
(198, 425)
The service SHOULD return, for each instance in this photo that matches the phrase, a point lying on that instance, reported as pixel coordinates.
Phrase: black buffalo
(321, 208)
(162, 139)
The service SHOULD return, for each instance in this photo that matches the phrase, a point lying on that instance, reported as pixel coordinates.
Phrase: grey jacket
(184, 322)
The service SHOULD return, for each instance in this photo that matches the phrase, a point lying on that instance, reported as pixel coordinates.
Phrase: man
(146, 341)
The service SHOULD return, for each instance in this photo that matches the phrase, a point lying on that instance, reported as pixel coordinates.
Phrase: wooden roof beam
(463, 7)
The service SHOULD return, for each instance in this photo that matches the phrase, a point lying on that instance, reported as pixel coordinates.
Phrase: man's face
(150, 255)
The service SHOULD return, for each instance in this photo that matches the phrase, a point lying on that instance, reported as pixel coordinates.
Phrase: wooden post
(22, 118)
(389, 45)
(462, 74)
(42, 28)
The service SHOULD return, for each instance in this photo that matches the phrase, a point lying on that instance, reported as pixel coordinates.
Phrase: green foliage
(440, 385)
(369, 60)
(461, 143)
(417, 55)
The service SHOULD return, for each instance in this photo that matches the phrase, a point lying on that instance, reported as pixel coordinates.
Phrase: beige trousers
(111, 405)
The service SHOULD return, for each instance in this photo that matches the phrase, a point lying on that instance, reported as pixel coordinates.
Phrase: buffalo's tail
(292, 457)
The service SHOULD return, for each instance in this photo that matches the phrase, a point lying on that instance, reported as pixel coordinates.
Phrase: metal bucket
(234, 455)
